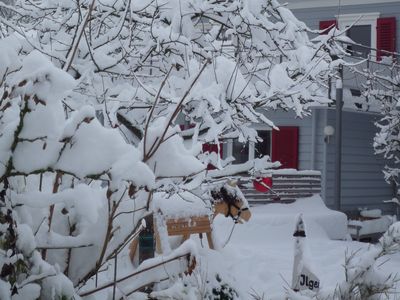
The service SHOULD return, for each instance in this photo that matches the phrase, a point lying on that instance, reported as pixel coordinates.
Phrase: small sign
(302, 278)
(307, 280)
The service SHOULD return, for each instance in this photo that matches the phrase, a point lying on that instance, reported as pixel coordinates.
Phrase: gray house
(309, 143)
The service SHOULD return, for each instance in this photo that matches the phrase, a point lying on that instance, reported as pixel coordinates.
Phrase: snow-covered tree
(66, 183)
(146, 66)
(387, 140)
(214, 65)
(380, 89)
(252, 54)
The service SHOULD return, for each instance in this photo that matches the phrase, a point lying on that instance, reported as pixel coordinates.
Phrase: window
(243, 152)
(369, 29)
(263, 148)
(240, 151)
(360, 34)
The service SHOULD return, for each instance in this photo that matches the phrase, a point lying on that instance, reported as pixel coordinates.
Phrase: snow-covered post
(302, 278)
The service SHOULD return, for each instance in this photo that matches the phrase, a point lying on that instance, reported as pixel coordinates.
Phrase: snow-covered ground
(257, 260)
(259, 256)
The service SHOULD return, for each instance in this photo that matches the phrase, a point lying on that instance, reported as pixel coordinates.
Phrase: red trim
(285, 146)
(385, 36)
(207, 147)
(328, 24)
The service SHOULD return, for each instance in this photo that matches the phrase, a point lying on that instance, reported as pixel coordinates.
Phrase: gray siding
(362, 179)
(312, 16)
(321, 147)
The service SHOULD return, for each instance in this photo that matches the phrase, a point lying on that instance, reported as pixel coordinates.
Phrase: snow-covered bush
(144, 67)
(387, 140)
(66, 183)
(199, 287)
(364, 278)
(380, 89)
(222, 292)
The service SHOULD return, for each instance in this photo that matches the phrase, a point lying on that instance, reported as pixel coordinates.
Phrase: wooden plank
(192, 230)
(282, 190)
(289, 191)
(291, 181)
(285, 201)
(189, 220)
(188, 223)
(272, 197)
(283, 193)
(280, 187)
(286, 187)
(289, 185)
(189, 226)
(296, 175)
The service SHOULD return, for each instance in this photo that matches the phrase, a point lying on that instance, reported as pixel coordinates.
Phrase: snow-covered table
(370, 228)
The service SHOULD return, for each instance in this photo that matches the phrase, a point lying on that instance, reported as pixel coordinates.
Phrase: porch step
(286, 187)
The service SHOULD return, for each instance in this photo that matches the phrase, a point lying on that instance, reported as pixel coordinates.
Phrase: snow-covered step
(287, 186)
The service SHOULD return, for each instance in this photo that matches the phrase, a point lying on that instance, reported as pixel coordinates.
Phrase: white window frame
(252, 146)
(296, 4)
(344, 21)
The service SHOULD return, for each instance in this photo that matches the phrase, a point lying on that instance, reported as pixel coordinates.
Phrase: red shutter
(385, 36)
(212, 148)
(285, 147)
(206, 147)
(328, 24)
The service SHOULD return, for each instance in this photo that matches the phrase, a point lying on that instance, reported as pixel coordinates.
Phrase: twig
(160, 140)
(152, 110)
(80, 30)
(107, 285)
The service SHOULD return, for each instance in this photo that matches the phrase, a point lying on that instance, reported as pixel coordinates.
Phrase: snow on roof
(351, 102)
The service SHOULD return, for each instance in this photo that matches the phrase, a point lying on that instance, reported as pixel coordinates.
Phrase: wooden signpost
(226, 202)
(192, 225)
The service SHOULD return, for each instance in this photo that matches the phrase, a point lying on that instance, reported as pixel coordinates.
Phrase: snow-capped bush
(51, 175)
(144, 67)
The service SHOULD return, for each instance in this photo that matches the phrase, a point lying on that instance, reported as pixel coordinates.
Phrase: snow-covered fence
(287, 186)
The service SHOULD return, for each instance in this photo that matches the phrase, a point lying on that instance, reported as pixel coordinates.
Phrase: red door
(285, 146)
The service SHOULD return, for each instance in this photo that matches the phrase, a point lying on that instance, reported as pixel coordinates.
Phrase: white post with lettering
(303, 278)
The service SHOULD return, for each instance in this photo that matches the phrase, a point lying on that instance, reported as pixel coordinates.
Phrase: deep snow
(259, 256)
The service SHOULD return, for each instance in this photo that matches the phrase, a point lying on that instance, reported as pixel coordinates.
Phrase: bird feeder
(146, 241)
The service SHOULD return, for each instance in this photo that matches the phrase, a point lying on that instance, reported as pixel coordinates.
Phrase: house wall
(282, 118)
(311, 141)
(362, 179)
(313, 15)
(308, 150)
